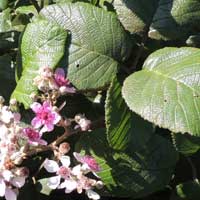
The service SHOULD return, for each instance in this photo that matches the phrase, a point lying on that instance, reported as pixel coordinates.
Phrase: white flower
(62, 172)
(92, 195)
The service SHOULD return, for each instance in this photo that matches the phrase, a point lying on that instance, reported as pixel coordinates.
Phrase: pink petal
(60, 72)
(49, 127)
(36, 122)
(57, 117)
(10, 194)
(36, 107)
(46, 105)
(41, 142)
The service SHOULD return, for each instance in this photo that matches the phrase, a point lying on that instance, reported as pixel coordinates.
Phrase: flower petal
(51, 166)
(69, 185)
(57, 117)
(53, 182)
(60, 72)
(2, 187)
(18, 181)
(36, 107)
(7, 175)
(36, 122)
(65, 160)
(10, 194)
(92, 195)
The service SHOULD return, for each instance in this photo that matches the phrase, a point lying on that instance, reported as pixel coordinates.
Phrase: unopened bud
(78, 117)
(33, 96)
(85, 124)
(2, 100)
(13, 102)
(99, 185)
(67, 123)
(64, 148)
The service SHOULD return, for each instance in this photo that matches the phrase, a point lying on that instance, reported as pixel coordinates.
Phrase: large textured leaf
(98, 42)
(136, 15)
(175, 19)
(167, 90)
(125, 130)
(135, 174)
(7, 76)
(186, 144)
(42, 45)
(5, 21)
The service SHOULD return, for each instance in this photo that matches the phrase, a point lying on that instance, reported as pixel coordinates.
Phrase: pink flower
(63, 83)
(59, 77)
(89, 162)
(45, 116)
(34, 137)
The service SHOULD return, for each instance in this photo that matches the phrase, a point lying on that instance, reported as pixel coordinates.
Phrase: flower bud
(13, 102)
(64, 148)
(2, 100)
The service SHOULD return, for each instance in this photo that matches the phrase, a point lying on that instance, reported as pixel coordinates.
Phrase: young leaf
(167, 90)
(98, 42)
(42, 45)
(125, 130)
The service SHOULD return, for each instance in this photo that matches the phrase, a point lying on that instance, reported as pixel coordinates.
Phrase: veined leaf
(175, 19)
(167, 90)
(135, 174)
(135, 16)
(43, 44)
(125, 130)
(98, 42)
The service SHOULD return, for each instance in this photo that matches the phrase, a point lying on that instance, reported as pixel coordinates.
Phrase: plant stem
(35, 4)
(68, 132)
(194, 171)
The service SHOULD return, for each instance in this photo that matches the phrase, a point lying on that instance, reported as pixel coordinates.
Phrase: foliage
(129, 102)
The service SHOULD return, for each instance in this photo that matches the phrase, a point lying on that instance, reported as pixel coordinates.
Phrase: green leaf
(26, 10)
(98, 42)
(3, 4)
(5, 21)
(175, 19)
(188, 190)
(135, 174)
(42, 187)
(7, 76)
(186, 144)
(135, 16)
(125, 130)
(167, 91)
(43, 44)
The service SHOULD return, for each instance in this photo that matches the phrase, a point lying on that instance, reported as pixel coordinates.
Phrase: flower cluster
(48, 80)
(75, 178)
(18, 140)
(11, 135)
